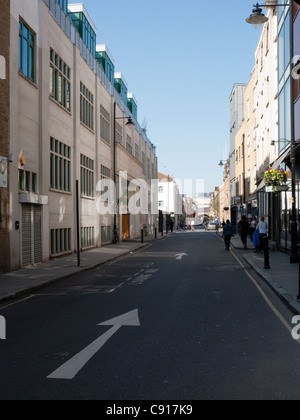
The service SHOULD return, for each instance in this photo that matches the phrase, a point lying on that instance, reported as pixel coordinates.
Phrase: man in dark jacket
(227, 233)
(244, 230)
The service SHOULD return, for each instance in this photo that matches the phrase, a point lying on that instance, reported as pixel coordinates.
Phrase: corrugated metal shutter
(37, 224)
(26, 235)
(31, 234)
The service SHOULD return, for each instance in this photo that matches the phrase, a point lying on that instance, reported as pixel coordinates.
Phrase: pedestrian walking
(227, 233)
(256, 243)
(244, 230)
(262, 228)
(253, 224)
(172, 226)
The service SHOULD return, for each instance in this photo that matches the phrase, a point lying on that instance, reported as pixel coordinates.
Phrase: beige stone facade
(4, 130)
(225, 195)
(246, 153)
(56, 135)
(254, 150)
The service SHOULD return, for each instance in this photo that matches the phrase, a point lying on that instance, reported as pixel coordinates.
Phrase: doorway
(125, 227)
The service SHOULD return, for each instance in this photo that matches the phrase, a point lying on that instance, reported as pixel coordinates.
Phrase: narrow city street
(180, 320)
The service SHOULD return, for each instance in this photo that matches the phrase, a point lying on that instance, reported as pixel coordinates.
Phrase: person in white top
(262, 227)
(253, 224)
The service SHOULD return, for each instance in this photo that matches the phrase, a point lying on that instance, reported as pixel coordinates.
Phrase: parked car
(211, 226)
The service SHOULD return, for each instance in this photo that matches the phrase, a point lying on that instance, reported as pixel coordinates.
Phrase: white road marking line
(71, 368)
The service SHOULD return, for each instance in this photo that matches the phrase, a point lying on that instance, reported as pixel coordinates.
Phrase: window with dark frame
(26, 51)
(60, 81)
(60, 166)
(86, 107)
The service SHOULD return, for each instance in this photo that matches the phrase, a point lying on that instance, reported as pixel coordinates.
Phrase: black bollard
(142, 236)
(155, 233)
(266, 253)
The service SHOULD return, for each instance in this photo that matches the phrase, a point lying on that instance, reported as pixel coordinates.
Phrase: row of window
(60, 91)
(60, 83)
(60, 73)
(60, 172)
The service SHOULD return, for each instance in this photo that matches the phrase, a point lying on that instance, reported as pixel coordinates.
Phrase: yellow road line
(16, 303)
(265, 297)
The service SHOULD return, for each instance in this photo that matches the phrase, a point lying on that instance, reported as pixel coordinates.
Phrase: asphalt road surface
(180, 320)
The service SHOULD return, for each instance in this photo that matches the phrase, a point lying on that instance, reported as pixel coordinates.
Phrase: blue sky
(180, 60)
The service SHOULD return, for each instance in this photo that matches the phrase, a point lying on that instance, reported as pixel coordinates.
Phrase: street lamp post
(129, 123)
(257, 19)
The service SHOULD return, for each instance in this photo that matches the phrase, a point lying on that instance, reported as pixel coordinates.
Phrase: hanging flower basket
(277, 188)
(276, 180)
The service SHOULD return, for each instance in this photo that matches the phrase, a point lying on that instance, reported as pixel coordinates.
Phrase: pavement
(282, 277)
(28, 280)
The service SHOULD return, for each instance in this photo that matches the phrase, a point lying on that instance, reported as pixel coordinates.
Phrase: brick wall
(4, 131)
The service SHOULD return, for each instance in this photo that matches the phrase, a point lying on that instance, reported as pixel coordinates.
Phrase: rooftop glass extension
(121, 86)
(132, 104)
(104, 57)
(84, 25)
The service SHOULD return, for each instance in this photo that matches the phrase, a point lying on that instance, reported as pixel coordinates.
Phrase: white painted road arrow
(180, 256)
(70, 369)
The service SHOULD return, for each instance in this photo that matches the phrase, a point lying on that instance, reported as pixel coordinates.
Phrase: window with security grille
(87, 237)
(137, 151)
(105, 172)
(86, 107)
(128, 144)
(60, 241)
(119, 135)
(87, 175)
(60, 166)
(105, 125)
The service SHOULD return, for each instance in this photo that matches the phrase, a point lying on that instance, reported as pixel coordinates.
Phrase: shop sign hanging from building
(3, 172)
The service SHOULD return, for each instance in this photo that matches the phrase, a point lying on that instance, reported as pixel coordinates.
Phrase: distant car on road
(212, 226)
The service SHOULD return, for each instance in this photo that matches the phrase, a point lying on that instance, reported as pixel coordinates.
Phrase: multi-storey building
(267, 117)
(64, 119)
(202, 201)
(289, 122)
(225, 196)
(236, 117)
(245, 156)
(169, 198)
